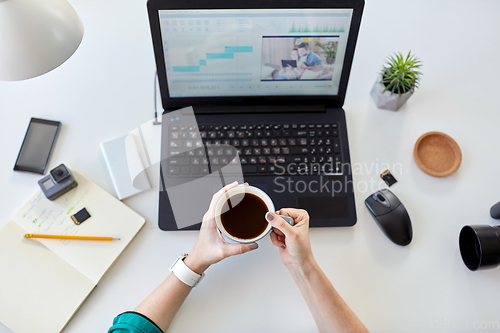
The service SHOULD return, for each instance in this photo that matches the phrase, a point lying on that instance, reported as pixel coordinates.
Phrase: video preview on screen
(298, 58)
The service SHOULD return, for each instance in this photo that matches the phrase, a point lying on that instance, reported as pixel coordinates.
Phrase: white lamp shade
(36, 36)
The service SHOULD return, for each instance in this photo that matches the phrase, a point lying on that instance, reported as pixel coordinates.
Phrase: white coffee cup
(230, 195)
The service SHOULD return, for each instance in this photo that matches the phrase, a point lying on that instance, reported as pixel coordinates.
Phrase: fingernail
(253, 246)
(235, 182)
(283, 247)
(269, 216)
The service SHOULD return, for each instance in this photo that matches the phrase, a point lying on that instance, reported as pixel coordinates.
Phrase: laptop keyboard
(262, 148)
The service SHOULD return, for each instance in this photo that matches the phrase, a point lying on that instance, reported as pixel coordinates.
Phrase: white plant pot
(387, 100)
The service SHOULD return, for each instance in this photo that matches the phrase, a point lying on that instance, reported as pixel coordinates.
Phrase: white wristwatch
(183, 272)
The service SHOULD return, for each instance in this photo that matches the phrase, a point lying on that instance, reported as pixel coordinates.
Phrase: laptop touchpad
(324, 207)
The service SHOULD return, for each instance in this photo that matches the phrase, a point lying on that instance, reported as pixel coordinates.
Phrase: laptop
(287, 125)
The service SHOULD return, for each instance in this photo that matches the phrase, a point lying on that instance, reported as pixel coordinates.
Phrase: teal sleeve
(133, 322)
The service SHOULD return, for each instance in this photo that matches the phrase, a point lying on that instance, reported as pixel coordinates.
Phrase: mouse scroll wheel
(380, 197)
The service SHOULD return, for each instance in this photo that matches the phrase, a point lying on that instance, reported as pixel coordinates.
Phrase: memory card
(81, 216)
(388, 178)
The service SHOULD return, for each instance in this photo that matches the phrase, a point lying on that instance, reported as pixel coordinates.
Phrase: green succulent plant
(401, 74)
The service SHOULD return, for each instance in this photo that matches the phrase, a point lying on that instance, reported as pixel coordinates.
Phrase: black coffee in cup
(246, 220)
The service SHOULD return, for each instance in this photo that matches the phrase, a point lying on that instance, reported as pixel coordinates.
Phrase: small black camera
(59, 181)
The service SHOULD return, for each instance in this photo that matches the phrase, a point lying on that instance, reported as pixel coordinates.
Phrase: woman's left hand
(210, 247)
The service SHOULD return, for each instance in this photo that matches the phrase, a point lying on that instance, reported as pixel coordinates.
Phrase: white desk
(105, 90)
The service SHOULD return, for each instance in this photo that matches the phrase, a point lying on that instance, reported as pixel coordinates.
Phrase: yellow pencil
(93, 238)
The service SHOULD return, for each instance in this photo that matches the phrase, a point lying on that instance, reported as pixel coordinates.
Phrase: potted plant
(329, 50)
(397, 81)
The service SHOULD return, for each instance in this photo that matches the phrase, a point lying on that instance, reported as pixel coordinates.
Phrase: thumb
(277, 222)
(235, 249)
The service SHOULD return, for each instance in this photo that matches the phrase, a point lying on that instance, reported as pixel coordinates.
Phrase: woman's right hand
(294, 244)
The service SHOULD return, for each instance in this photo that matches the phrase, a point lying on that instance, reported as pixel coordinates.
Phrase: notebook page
(109, 217)
(39, 292)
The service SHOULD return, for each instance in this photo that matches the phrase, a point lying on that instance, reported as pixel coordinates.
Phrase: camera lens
(480, 246)
(59, 173)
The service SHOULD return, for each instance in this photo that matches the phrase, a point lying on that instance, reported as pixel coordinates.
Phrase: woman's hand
(294, 244)
(210, 247)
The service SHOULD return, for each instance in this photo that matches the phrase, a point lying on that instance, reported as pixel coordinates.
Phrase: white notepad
(43, 282)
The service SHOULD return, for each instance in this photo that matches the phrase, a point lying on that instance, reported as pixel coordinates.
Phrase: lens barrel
(480, 246)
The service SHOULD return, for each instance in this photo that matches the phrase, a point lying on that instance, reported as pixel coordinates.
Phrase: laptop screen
(254, 52)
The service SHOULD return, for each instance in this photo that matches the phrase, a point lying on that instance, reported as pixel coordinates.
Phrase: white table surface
(105, 90)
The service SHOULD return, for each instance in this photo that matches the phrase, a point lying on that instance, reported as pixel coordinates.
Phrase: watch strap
(184, 273)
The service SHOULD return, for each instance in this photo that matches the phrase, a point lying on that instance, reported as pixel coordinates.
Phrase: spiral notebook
(43, 282)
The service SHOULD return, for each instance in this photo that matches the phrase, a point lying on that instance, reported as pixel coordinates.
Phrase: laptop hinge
(258, 109)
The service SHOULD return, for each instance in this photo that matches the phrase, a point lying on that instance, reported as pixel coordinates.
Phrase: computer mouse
(391, 216)
(495, 211)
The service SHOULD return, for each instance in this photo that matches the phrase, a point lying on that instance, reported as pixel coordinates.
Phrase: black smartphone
(37, 145)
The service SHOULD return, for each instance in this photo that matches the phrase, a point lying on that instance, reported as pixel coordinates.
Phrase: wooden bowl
(437, 154)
